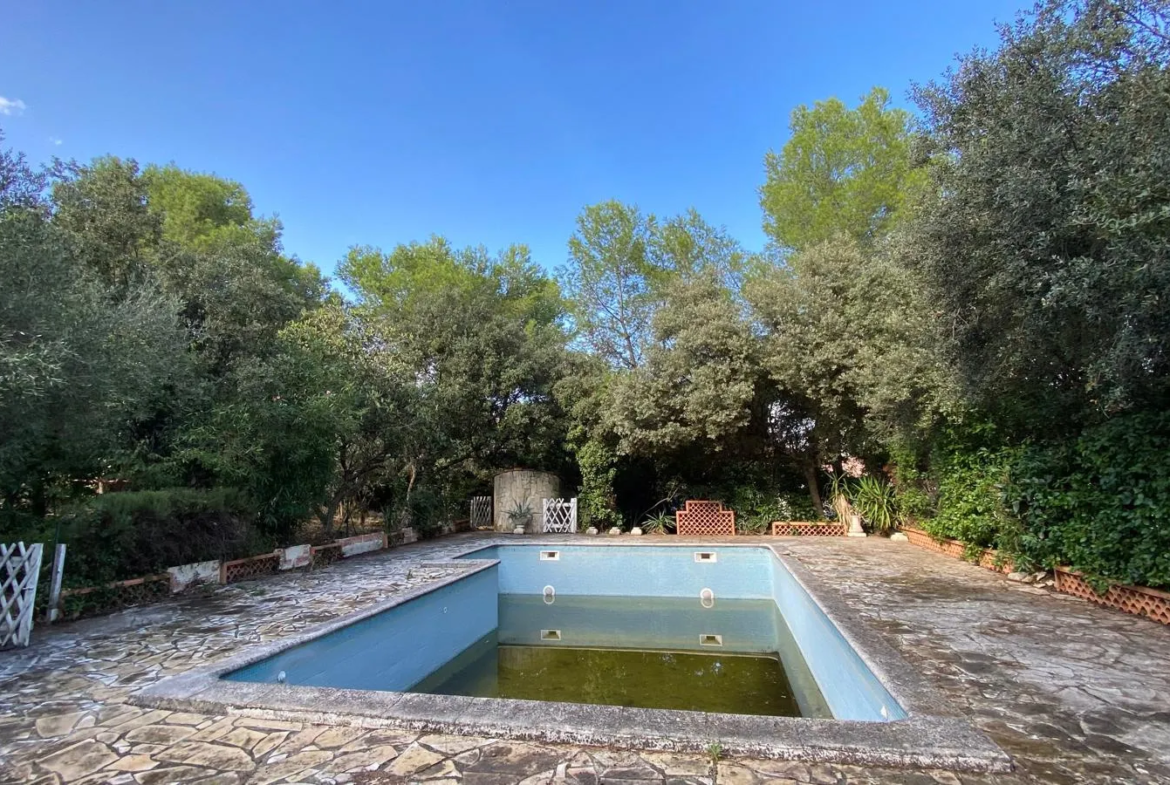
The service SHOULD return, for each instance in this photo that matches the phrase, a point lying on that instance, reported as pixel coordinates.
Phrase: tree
(697, 387)
(613, 281)
(842, 171)
(1045, 235)
(850, 342)
(103, 209)
(324, 418)
(482, 335)
(83, 361)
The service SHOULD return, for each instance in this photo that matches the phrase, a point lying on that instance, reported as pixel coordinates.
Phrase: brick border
(1137, 600)
(957, 550)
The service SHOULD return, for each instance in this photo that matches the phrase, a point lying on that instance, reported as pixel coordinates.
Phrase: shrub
(126, 535)
(971, 501)
(1101, 502)
(873, 498)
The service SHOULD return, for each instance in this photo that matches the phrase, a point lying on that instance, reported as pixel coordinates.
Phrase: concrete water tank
(526, 487)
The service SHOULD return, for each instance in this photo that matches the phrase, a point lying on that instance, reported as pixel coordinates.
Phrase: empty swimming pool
(666, 644)
(723, 629)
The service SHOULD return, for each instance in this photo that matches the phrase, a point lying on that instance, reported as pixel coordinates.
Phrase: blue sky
(487, 122)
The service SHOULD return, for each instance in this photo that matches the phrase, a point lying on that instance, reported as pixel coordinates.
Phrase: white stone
(636, 531)
(295, 557)
(615, 531)
(518, 530)
(363, 543)
(899, 537)
(1019, 577)
(591, 530)
(187, 575)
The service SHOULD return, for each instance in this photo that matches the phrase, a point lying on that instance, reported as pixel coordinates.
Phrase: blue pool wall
(395, 649)
(850, 688)
(625, 625)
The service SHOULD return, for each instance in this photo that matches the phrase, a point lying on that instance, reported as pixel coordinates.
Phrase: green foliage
(698, 383)
(842, 171)
(913, 486)
(596, 501)
(796, 507)
(755, 509)
(612, 281)
(1045, 234)
(660, 522)
(972, 476)
(83, 363)
(116, 536)
(874, 500)
(520, 514)
(1100, 502)
(848, 335)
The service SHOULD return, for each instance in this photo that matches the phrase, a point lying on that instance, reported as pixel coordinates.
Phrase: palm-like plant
(658, 523)
(874, 500)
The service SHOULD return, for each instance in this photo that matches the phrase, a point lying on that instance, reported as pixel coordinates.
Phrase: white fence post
(20, 567)
(560, 516)
(55, 584)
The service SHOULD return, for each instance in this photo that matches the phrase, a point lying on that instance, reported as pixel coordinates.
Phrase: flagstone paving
(1074, 693)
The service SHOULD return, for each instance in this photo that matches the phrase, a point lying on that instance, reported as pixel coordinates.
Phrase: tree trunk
(814, 490)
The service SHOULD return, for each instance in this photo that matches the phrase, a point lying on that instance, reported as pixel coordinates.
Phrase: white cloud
(11, 106)
(56, 141)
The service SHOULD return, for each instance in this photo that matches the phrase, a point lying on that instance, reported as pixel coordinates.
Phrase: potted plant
(520, 516)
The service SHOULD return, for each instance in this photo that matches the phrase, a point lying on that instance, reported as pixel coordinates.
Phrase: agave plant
(658, 523)
(520, 514)
(874, 500)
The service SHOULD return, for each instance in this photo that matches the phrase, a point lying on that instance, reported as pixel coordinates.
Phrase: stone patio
(1073, 692)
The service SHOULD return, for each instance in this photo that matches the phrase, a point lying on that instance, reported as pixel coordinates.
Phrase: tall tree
(842, 171)
(613, 281)
(1045, 237)
(83, 359)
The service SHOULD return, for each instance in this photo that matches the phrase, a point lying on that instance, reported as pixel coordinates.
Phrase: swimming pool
(749, 626)
(664, 644)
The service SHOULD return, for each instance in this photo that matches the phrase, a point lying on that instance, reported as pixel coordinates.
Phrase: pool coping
(933, 735)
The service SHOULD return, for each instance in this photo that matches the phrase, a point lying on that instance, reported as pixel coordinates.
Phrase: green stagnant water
(642, 652)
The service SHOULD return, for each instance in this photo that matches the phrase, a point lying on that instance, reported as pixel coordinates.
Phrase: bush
(116, 536)
(1100, 503)
(971, 496)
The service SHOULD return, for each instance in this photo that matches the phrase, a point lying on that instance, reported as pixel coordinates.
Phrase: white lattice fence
(481, 512)
(560, 515)
(20, 565)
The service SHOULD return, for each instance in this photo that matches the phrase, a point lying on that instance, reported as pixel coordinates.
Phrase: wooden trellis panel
(251, 567)
(703, 518)
(481, 512)
(807, 529)
(21, 566)
(560, 516)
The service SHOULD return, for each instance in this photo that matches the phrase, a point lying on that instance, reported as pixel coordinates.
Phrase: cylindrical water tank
(523, 488)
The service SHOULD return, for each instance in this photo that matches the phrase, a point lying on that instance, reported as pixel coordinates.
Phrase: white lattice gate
(481, 512)
(20, 565)
(560, 515)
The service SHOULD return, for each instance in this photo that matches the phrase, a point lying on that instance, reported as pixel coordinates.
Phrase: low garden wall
(988, 558)
(96, 600)
(808, 529)
(1138, 600)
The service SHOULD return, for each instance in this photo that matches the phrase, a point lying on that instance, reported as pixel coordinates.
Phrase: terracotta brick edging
(957, 550)
(1138, 600)
(807, 529)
